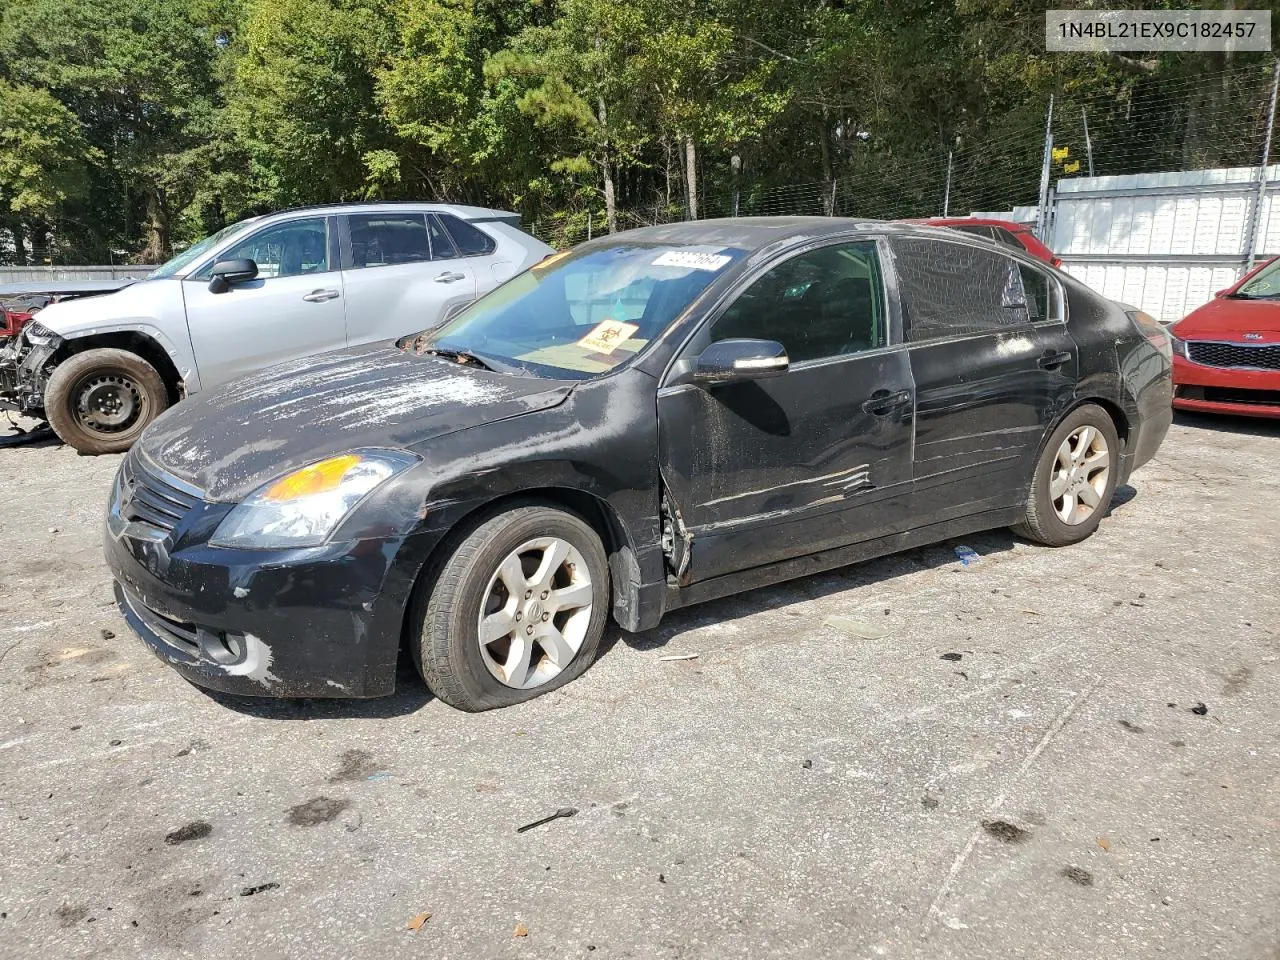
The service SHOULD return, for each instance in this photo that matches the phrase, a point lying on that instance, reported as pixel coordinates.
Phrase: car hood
(128, 305)
(1227, 318)
(230, 440)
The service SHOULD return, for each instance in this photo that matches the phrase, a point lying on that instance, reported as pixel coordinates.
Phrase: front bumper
(1230, 390)
(317, 622)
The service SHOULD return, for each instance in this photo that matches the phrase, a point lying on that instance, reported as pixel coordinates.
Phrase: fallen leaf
(418, 921)
(1104, 843)
(521, 930)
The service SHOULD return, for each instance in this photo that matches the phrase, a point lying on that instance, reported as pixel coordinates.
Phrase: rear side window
(952, 289)
(977, 229)
(441, 245)
(1006, 237)
(384, 239)
(470, 241)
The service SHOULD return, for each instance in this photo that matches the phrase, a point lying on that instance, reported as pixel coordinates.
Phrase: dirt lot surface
(1050, 753)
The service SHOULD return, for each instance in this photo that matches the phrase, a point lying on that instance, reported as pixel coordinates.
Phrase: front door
(762, 470)
(293, 308)
(402, 276)
(993, 365)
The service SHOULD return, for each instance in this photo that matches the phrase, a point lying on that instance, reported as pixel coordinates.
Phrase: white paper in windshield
(692, 259)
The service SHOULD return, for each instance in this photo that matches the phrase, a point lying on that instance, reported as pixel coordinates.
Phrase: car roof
(754, 233)
(979, 221)
(474, 214)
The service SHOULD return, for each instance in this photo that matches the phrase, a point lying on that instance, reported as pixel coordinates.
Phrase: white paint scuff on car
(256, 664)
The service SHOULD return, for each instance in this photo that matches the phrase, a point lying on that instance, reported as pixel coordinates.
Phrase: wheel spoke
(496, 626)
(1083, 443)
(1066, 457)
(572, 597)
(512, 576)
(1090, 497)
(556, 647)
(552, 557)
(1095, 461)
(1068, 507)
(516, 666)
(1057, 486)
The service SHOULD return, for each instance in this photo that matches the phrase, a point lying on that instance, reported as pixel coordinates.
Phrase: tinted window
(383, 239)
(820, 304)
(978, 230)
(949, 289)
(285, 250)
(1039, 293)
(441, 245)
(469, 241)
(1006, 237)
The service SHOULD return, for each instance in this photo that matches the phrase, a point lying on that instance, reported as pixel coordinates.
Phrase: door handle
(883, 402)
(320, 296)
(450, 277)
(1053, 359)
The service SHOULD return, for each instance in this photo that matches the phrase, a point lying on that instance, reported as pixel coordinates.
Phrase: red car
(1001, 231)
(1226, 354)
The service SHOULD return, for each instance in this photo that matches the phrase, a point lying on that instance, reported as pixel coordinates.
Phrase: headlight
(1179, 346)
(302, 508)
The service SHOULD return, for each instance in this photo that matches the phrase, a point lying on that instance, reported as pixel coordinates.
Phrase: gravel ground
(1051, 753)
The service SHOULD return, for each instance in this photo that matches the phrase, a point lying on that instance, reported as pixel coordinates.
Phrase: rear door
(993, 367)
(293, 308)
(764, 470)
(402, 274)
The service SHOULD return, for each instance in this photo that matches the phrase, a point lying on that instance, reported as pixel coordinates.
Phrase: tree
(44, 160)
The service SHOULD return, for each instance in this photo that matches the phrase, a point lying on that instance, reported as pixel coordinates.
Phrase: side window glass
(951, 289)
(285, 250)
(383, 239)
(1040, 293)
(823, 303)
(441, 245)
(978, 230)
(1006, 237)
(470, 241)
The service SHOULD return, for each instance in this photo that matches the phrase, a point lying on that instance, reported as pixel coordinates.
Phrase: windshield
(580, 314)
(196, 251)
(1265, 284)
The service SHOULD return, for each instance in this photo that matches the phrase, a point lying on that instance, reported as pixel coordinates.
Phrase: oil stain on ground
(354, 765)
(195, 830)
(316, 811)
(1006, 832)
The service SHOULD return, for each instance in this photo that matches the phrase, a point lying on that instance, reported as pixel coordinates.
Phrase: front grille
(1214, 354)
(179, 633)
(146, 498)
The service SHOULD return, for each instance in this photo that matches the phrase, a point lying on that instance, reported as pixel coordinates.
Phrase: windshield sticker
(692, 258)
(608, 335)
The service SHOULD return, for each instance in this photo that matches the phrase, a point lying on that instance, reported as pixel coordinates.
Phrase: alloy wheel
(535, 613)
(1080, 475)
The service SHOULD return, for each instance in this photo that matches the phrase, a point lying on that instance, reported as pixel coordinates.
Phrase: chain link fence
(1143, 125)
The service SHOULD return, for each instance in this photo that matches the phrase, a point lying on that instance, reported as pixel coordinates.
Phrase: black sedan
(655, 419)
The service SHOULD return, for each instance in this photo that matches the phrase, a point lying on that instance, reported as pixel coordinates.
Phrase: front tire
(515, 611)
(100, 401)
(1074, 479)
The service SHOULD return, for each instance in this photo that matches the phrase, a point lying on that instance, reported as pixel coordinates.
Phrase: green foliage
(131, 126)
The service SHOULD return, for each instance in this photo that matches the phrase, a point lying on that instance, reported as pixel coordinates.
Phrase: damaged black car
(658, 418)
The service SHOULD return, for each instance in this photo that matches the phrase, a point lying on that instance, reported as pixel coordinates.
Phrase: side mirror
(728, 360)
(227, 272)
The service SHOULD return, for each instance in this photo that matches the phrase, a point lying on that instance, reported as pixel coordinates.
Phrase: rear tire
(516, 610)
(100, 401)
(1074, 479)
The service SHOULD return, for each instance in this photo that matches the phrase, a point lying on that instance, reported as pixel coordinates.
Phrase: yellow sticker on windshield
(608, 336)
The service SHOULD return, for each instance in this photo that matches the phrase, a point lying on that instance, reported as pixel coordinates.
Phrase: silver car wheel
(535, 613)
(1080, 475)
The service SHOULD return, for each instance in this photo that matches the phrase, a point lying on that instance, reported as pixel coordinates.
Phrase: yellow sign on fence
(1072, 167)
(1061, 153)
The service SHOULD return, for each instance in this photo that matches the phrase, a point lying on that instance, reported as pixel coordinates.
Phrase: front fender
(178, 350)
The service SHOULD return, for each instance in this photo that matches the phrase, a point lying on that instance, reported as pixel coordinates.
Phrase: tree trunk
(691, 172)
(606, 167)
(828, 172)
(158, 247)
(19, 245)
